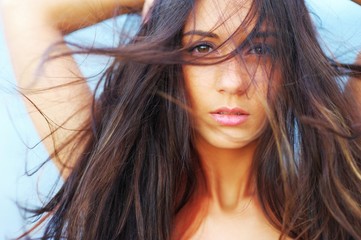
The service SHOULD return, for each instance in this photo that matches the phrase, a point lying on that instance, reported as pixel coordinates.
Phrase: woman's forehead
(223, 16)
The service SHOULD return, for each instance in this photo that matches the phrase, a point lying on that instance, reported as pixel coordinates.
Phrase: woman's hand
(147, 5)
(357, 1)
(70, 15)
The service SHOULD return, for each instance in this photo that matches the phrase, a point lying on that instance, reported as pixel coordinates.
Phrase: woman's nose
(233, 77)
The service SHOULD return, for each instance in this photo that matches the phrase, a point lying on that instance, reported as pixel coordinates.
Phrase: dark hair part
(139, 167)
(308, 179)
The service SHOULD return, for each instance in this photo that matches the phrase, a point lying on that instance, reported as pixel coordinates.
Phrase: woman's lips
(230, 116)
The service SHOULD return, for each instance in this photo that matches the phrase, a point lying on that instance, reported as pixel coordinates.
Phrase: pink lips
(230, 116)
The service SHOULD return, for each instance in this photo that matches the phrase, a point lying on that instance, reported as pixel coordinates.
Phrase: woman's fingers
(147, 5)
(357, 1)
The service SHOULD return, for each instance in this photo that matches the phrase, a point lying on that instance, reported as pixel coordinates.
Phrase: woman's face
(228, 99)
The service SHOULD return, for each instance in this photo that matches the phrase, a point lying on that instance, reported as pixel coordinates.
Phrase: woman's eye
(260, 49)
(201, 49)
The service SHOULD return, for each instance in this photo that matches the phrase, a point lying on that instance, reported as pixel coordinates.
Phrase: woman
(219, 120)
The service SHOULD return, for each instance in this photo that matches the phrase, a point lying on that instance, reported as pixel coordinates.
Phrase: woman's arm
(353, 86)
(31, 27)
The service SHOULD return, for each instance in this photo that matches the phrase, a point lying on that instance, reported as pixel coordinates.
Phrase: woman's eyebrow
(201, 33)
(265, 34)
(261, 34)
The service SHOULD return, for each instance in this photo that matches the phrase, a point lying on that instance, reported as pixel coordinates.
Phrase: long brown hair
(139, 165)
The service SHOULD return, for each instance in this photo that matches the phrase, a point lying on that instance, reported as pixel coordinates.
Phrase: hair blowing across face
(139, 167)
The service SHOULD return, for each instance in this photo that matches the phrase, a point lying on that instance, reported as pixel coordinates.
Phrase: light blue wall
(341, 21)
(339, 24)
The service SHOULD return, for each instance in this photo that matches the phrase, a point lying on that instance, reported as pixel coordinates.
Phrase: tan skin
(31, 27)
(225, 206)
(353, 86)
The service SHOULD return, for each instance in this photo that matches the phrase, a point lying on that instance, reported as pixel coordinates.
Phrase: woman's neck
(225, 190)
(227, 176)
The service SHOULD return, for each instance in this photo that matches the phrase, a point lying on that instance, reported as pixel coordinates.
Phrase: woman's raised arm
(31, 27)
(353, 87)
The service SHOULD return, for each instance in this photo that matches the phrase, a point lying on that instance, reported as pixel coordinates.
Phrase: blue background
(338, 21)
